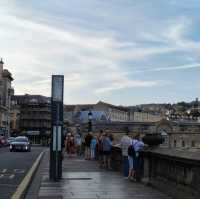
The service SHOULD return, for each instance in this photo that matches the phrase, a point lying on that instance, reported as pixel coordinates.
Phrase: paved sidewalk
(84, 180)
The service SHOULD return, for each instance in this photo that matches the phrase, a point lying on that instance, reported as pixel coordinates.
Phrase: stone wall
(176, 173)
(141, 127)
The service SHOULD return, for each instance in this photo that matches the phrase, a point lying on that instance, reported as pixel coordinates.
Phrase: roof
(7, 74)
(122, 108)
(79, 106)
(27, 99)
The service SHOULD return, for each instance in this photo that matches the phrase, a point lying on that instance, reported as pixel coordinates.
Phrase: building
(113, 113)
(146, 117)
(35, 116)
(101, 112)
(180, 134)
(14, 119)
(6, 91)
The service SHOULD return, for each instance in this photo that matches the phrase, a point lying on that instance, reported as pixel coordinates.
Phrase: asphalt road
(13, 167)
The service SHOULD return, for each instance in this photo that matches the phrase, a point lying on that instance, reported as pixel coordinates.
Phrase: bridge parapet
(174, 172)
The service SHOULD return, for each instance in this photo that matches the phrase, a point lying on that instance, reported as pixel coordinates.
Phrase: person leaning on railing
(138, 146)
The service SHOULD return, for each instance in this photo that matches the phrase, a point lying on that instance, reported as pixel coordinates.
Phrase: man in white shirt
(125, 142)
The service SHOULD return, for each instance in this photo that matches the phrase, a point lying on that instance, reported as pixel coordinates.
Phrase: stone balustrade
(174, 172)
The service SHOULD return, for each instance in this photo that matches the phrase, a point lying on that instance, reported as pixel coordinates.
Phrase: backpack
(131, 151)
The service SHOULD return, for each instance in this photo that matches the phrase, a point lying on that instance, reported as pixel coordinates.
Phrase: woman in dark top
(88, 139)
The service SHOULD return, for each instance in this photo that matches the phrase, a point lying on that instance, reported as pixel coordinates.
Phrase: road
(13, 167)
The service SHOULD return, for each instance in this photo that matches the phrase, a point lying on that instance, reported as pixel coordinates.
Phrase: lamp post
(89, 121)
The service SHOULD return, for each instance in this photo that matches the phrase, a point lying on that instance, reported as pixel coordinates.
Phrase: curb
(22, 188)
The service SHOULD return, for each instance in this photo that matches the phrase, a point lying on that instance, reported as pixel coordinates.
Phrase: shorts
(135, 163)
(130, 162)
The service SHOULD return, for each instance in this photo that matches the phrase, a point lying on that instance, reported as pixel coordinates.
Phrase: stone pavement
(84, 180)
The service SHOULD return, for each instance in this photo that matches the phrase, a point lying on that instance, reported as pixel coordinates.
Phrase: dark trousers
(125, 165)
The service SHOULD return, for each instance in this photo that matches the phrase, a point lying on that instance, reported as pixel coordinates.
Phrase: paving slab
(83, 179)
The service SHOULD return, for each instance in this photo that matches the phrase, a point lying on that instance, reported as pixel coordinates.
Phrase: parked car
(20, 143)
(3, 141)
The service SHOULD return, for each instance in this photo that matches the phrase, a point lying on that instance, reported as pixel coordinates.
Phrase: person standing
(78, 143)
(71, 145)
(137, 145)
(88, 139)
(93, 148)
(125, 142)
(100, 148)
(107, 145)
(67, 143)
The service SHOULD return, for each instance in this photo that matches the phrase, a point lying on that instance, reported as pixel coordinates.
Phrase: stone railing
(176, 173)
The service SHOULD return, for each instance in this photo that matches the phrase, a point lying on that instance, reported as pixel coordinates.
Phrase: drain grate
(78, 178)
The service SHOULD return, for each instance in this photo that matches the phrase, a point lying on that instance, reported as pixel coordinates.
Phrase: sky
(124, 52)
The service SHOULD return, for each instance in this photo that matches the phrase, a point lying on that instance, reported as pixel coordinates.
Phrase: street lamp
(89, 121)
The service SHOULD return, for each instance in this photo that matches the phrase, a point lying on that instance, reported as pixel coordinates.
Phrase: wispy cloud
(171, 68)
(93, 46)
(127, 84)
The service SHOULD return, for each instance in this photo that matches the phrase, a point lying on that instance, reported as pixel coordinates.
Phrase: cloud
(171, 68)
(88, 54)
(93, 50)
(127, 84)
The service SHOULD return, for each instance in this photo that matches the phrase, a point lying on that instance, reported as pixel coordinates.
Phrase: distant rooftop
(30, 99)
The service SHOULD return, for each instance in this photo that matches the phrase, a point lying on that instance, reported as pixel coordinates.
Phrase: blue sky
(123, 52)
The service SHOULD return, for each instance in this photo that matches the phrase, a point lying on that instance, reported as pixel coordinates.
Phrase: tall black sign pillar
(55, 171)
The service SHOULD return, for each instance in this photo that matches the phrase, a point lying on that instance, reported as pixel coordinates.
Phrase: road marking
(10, 173)
(11, 176)
(19, 171)
(27, 179)
(3, 170)
(8, 185)
(7, 176)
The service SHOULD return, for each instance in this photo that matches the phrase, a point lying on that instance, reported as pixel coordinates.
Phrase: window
(183, 143)
(193, 143)
(174, 143)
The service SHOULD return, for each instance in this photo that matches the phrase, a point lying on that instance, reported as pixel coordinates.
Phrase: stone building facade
(146, 117)
(113, 113)
(107, 112)
(14, 119)
(34, 117)
(179, 134)
(6, 91)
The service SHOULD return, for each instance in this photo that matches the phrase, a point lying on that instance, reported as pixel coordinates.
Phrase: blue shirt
(107, 144)
(93, 143)
(138, 145)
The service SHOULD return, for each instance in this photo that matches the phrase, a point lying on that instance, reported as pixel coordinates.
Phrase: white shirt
(125, 142)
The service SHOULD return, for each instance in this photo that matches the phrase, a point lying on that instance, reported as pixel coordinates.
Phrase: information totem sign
(55, 172)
